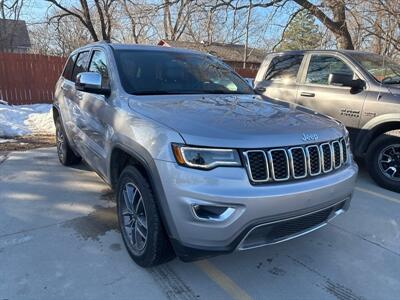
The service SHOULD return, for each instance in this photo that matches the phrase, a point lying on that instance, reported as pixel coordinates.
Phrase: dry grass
(28, 142)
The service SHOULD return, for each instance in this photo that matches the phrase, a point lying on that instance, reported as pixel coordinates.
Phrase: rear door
(280, 79)
(336, 101)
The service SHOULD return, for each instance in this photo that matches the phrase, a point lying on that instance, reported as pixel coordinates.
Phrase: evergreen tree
(301, 34)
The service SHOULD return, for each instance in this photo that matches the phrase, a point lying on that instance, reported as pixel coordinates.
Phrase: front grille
(271, 165)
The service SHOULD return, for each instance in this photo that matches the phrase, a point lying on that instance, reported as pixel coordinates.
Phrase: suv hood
(237, 121)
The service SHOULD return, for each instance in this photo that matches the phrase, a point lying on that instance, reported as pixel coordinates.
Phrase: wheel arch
(142, 160)
(373, 129)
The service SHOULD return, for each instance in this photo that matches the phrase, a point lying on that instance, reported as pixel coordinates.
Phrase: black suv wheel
(65, 154)
(383, 161)
(140, 224)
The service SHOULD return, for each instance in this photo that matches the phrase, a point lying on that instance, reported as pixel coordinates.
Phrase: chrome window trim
(245, 153)
(309, 160)
(272, 164)
(334, 155)
(292, 162)
(323, 157)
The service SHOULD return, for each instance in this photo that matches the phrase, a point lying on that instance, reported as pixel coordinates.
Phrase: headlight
(205, 158)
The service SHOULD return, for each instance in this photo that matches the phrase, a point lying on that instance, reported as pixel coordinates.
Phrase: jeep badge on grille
(309, 137)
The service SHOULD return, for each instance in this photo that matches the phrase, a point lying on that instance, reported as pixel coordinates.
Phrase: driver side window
(321, 66)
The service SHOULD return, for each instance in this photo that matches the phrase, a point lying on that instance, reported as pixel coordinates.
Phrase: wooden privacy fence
(28, 78)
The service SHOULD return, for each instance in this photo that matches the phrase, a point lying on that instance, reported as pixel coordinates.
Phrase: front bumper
(253, 205)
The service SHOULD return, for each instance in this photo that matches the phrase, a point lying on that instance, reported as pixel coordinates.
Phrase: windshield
(382, 68)
(161, 72)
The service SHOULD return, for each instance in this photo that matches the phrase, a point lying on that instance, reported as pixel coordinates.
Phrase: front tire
(139, 221)
(383, 161)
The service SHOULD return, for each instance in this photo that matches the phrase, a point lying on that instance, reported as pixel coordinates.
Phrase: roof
(150, 48)
(343, 51)
(13, 35)
(226, 52)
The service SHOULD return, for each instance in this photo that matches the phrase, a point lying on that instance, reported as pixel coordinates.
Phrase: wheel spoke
(128, 204)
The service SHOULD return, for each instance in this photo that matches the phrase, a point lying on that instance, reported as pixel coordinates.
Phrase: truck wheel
(383, 161)
(65, 154)
(139, 221)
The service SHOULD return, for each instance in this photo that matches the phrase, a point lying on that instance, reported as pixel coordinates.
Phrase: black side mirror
(90, 82)
(339, 79)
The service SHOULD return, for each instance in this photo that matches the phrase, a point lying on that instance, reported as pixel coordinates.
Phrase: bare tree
(11, 9)
(337, 24)
(87, 14)
(175, 26)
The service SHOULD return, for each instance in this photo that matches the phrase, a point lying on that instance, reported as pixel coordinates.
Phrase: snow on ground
(19, 120)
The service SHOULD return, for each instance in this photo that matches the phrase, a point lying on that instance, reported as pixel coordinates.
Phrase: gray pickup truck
(361, 90)
(200, 164)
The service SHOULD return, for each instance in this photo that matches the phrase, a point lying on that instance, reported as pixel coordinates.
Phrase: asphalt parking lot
(59, 240)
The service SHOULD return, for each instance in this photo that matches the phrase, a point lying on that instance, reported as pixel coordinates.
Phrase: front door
(95, 111)
(335, 101)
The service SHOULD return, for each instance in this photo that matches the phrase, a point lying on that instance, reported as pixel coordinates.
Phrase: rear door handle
(306, 94)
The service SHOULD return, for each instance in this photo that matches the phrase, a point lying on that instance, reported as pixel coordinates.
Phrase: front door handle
(261, 89)
(306, 94)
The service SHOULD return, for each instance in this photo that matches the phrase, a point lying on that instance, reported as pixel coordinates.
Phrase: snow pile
(19, 120)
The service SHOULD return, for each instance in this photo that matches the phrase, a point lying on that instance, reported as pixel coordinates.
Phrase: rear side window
(284, 68)
(69, 67)
(80, 65)
(322, 65)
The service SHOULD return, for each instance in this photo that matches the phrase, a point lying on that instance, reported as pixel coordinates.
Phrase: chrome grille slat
(314, 160)
(327, 157)
(251, 172)
(279, 164)
(283, 164)
(337, 154)
(294, 165)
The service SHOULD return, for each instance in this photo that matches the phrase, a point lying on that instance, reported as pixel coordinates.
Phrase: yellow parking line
(396, 200)
(222, 280)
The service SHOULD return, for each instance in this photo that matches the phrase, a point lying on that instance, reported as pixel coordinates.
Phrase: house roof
(227, 52)
(13, 35)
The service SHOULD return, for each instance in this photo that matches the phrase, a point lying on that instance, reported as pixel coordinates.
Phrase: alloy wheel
(134, 217)
(389, 162)
(60, 144)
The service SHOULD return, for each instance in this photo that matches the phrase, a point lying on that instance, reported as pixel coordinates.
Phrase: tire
(139, 221)
(66, 155)
(385, 148)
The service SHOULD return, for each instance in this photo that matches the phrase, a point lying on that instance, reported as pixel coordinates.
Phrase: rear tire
(383, 162)
(139, 221)
(66, 155)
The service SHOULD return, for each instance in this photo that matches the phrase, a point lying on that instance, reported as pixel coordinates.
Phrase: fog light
(212, 213)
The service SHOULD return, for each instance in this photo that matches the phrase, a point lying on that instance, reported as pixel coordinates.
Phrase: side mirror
(346, 80)
(90, 82)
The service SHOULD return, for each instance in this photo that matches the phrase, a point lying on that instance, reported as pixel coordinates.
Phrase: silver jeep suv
(201, 165)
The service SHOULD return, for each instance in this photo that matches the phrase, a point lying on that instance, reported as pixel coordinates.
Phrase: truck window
(284, 68)
(321, 66)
